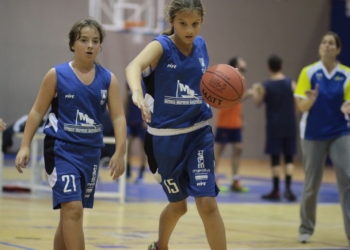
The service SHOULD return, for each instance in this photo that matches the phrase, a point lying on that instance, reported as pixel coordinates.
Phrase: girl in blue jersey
(179, 141)
(78, 92)
(323, 95)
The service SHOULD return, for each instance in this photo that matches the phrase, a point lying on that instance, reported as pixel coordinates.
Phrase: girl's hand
(22, 159)
(116, 165)
(140, 102)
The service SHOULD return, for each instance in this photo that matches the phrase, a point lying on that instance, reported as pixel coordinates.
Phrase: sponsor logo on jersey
(69, 96)
(200, 184)
(172, 66)
(83, 124)
(184, 96)
(204, 170)
(338, 78)
(92, 183)
(319, 76)
(200, 159)
(202, 177)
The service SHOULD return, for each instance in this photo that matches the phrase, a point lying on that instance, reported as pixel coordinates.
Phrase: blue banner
(340, 24)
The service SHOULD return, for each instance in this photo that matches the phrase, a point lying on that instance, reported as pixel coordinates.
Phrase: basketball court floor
(28, 221)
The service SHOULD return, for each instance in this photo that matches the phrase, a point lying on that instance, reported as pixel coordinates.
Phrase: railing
(35, 182)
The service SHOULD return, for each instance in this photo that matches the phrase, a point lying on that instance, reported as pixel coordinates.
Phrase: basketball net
(137, 38)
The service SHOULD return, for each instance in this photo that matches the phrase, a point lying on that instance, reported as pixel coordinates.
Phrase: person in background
(108, 131)
(229, 127)
(179, 139)
(136, 130)
(78, 92)
(2, 125)
(277, 94)
(323, 96)
(17, 127)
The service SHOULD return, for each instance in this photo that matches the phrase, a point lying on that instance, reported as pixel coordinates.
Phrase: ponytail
(169, 32)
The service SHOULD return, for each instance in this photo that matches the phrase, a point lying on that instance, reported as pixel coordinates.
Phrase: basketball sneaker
(304, 238)
(237, 187)
(153, 246)
(288, 194)
(223, 189)
(273, 196)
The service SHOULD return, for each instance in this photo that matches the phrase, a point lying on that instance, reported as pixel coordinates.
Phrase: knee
(182, 210)
(206, 205)
(237, 148)
(179, 209)
(72, 210)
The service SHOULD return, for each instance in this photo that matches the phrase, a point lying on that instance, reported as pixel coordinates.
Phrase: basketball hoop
(133, 17)
(133, 26)
(137, 38)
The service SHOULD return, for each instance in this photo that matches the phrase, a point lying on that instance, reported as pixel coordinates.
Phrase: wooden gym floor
(27, 221)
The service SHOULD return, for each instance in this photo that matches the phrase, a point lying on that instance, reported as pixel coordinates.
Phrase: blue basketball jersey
(76, 111)
(174, 86)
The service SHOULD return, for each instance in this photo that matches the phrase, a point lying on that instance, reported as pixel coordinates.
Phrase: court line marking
(16, 246)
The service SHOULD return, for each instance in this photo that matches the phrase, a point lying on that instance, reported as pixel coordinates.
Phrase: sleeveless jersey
(174, 86)
(324, 120)
(280, 108)
(76, 111)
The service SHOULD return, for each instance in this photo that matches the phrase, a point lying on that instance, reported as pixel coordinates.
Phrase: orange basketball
(222, 86)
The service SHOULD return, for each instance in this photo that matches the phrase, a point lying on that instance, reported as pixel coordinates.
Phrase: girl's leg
(213, 223)
(72, 225)
(167, 222)
(218, 150)
(58, 243)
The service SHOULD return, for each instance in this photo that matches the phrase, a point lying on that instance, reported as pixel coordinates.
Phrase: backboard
(136, 16)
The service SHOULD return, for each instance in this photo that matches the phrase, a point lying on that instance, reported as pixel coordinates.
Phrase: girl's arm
(116, 110)
(42, 103)
(148, 57)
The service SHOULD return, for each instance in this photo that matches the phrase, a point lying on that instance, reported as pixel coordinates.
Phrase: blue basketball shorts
(137, 130)
(278, 145)
(228, 135)
(72, 171)
(185, 163)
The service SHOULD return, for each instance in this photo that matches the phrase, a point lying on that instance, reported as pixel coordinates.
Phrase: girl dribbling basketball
(179, 140)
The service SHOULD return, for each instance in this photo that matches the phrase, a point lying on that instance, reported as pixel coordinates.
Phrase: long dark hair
(336, 37)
